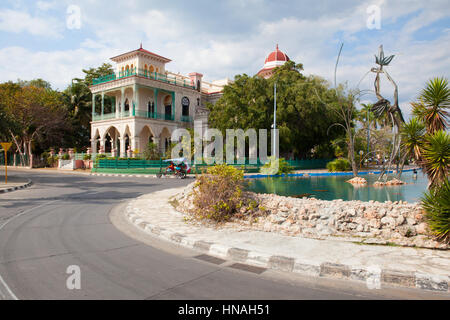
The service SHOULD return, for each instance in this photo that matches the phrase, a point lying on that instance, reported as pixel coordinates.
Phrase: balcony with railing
(154, 115)
(142, 114)
(146, 74)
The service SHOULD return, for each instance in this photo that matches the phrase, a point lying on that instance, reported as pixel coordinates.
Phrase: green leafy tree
(78, 97)
(38, 113)
(303, 108)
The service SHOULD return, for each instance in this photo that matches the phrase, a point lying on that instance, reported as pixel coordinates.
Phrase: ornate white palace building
(149, 102)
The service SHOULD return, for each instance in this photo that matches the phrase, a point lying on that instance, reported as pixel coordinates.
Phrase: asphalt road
(66, 220)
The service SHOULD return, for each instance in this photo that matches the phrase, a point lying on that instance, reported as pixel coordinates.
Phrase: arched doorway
(111, 139)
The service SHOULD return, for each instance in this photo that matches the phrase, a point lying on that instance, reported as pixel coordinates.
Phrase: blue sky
(224, 38)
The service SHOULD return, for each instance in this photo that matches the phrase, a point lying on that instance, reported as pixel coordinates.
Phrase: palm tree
(412, 135)
(436, 157)
(432, 105)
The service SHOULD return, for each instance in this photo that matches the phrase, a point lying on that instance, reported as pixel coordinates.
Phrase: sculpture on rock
(383, 107)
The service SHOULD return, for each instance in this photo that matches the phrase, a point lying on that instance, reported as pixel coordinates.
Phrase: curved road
(65, 220)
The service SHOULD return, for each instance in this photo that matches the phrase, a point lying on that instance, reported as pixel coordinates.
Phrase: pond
(336, 187)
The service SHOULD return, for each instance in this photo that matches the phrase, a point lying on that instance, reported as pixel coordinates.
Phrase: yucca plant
(432, 105)
(436, 203)
(412, 134)
(436, 157)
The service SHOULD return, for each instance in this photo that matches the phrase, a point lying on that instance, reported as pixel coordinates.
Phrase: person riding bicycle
(171, 167)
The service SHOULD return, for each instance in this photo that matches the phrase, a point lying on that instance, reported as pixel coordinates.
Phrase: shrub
(218, 194)
(87, 157)
(436, 203)
(338, 165)
(50, 161)
(273, 164)
(65, 156)
(152, 152)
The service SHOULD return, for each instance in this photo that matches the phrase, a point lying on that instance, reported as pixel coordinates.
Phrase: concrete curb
(26, 185)
(137, 175)
(372, 275)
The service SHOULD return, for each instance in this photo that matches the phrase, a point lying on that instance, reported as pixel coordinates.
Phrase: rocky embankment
(370, 222)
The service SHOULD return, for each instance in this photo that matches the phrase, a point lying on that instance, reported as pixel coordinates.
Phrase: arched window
(145, 70)
(127, 105)
(157, 70)
(127, 70)
(132, 68)
(152, 69)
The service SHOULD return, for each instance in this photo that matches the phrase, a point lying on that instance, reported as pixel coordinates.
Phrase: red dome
(276, 55)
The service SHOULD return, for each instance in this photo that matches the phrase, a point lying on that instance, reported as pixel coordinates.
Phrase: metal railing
(138, 163)
(186, 119)
(146, 74)
(154, 115)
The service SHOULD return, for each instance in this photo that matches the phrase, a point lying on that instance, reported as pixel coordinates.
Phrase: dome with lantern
(275, 59)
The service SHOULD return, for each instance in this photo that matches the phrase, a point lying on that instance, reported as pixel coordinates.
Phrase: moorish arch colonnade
(121, 139)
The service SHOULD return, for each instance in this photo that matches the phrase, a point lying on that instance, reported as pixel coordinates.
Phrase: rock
(394, 182)
(375, 223)
(399, 221)
(360, 228)
(422, 228)
(388, 221)
(357, 180)
(407, 231)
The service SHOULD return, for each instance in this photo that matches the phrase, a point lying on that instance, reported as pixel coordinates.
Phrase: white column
(122, 146)
(122, 101)
(94, 146)
(102, 145)
(135, 145)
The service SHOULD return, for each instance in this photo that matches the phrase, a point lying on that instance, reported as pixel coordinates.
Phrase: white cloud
(19, 21)
(312, 39)
(45, 5)
(58, 67)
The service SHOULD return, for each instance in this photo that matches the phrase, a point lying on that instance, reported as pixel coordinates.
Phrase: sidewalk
(14, 183)
(376, 265)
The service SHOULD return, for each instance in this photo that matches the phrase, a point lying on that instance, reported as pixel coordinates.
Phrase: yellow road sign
(6, 146)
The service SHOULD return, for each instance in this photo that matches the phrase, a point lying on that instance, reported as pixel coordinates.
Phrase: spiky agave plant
(436, 203)
(435, 161)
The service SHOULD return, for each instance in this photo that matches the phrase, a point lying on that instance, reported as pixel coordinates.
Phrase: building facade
(148, 103)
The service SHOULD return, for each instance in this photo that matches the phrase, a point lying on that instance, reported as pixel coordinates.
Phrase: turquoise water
(336, 187)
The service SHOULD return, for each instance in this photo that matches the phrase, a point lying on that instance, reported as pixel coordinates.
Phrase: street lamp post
(368, 132)
(274, 118)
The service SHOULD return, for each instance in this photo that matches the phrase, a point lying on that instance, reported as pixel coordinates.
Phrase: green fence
(15, 161)
(135, 166)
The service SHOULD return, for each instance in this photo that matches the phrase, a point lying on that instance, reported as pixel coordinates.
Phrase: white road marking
(2, 281)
